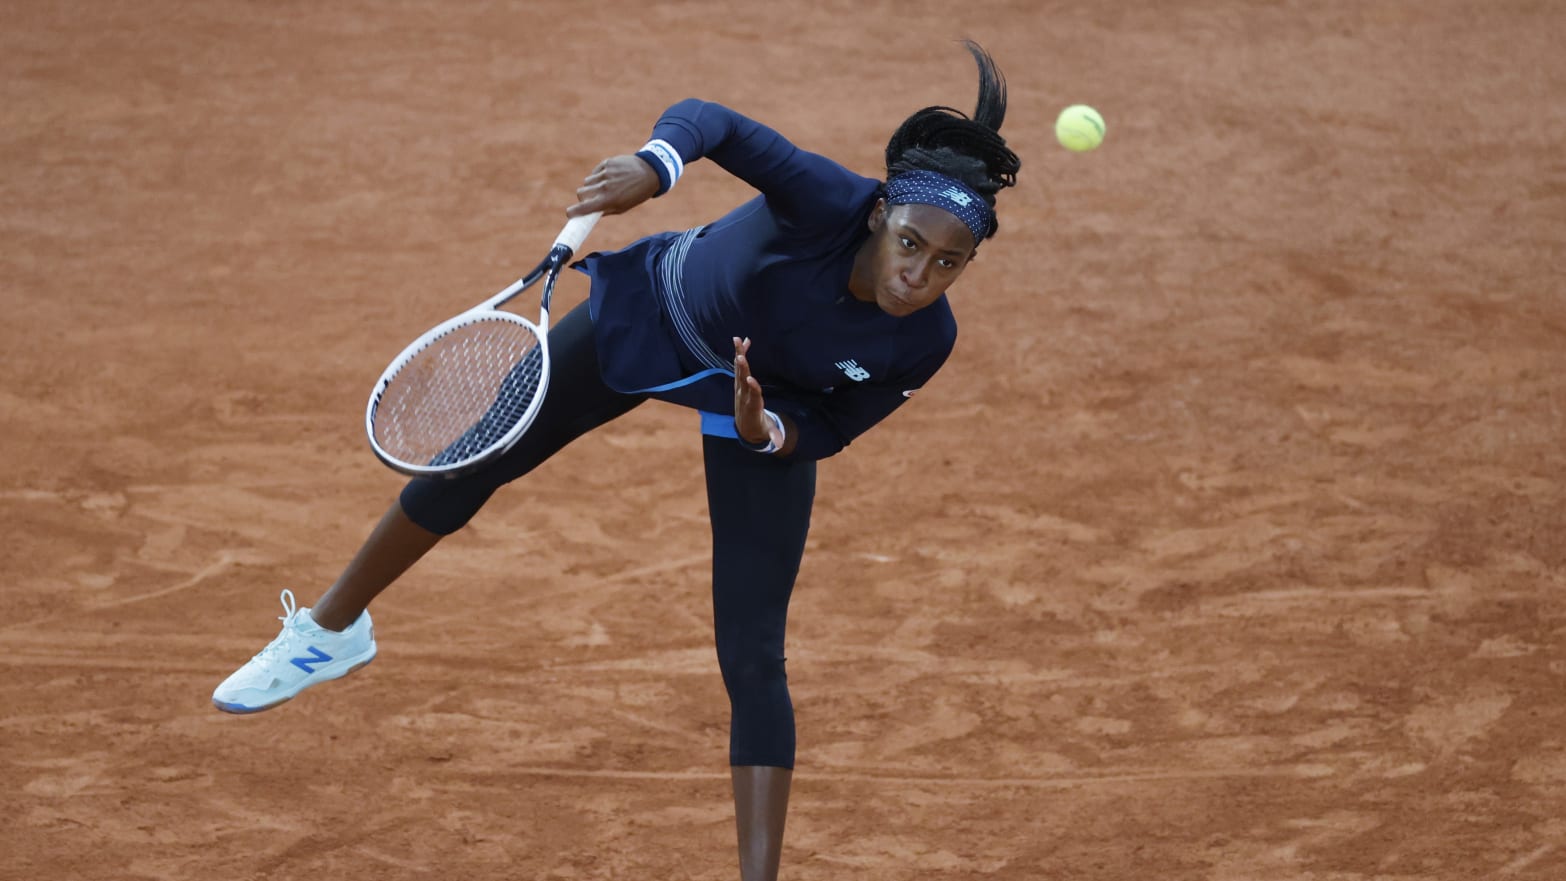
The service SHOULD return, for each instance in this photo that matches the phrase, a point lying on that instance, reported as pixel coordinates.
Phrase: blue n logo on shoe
(316, 657)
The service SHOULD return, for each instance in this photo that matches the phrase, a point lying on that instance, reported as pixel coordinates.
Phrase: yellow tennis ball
(1079, 128)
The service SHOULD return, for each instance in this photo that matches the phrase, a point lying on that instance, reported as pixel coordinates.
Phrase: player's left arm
(826, 428)
(822, 428)
(761, 429)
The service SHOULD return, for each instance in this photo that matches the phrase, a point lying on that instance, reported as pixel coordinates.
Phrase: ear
(877, 217)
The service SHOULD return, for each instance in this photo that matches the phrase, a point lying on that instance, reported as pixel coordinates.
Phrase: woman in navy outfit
(793, 323)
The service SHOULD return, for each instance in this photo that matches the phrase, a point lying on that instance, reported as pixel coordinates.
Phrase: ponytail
(945, 141)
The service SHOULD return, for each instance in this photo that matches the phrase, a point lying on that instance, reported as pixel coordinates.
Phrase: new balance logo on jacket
(853, 371)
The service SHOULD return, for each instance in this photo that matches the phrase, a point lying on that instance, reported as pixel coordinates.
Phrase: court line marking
(104, 664)
(431, 666)
(571, 589)
(1526, 859)
(827, 775)
(225, 559)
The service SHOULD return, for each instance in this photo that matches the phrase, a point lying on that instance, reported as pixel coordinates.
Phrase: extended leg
(429, 508)
(336, 637)
(394, 545)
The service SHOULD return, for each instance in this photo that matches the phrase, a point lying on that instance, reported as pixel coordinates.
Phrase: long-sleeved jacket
(775, 269)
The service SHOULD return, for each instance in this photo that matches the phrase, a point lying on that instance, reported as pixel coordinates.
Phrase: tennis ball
(1079, 128)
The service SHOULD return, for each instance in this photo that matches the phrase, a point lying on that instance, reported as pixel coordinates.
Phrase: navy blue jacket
(775, 269)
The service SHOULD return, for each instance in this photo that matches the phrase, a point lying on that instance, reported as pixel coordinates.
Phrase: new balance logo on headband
(958, 196)
(853, 371)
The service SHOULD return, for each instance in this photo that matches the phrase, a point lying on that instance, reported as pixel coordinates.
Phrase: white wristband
(779, 434)
(670, 157)
(776, 435)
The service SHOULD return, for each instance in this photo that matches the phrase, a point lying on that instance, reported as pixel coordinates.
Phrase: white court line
(818, 775)
(1526, 859)
(224, 560)
(572, 589)
(103, 663)
(227, 558)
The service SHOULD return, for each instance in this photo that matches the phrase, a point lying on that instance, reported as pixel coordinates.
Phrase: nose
(916, 275)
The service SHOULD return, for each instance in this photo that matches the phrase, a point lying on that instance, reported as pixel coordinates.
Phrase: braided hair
(946, 141)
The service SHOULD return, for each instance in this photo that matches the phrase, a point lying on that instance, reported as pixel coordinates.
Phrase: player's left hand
(748, 403)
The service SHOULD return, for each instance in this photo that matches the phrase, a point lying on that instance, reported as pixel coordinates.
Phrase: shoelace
(290, 611)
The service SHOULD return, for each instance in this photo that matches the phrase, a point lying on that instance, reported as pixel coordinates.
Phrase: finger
(590, 199)
(584, 208)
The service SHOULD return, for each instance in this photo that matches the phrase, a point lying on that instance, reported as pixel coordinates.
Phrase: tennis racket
(462, 394)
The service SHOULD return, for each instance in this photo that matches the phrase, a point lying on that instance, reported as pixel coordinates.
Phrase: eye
(947, 263)
(907, 242)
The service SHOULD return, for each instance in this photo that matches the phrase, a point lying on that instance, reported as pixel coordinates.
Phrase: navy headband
(920, 187)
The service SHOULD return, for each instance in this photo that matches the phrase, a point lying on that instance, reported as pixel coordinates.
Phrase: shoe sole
(245, 709)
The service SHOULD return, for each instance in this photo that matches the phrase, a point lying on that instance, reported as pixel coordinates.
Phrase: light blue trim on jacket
(718, 424)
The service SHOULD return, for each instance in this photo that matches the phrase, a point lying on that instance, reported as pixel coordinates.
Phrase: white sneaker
(304, 654)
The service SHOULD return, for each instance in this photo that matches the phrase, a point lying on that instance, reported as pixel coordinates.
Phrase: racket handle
(576, 230)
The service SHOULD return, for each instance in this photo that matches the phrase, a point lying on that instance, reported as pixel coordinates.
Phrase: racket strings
(460, 395)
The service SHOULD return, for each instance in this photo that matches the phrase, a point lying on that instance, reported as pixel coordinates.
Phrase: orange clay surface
(1229, 545)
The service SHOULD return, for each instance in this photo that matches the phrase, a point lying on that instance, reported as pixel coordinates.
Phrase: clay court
(1230, 544)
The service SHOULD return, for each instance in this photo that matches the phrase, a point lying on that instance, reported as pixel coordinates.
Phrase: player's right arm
(615, 186)
(801, 186)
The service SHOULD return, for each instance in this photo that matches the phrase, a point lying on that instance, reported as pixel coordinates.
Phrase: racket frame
(566, 244)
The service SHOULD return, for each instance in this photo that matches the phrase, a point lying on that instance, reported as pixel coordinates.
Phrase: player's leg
(431, 508)
(760, 511)
(392, 548)
(338, 629)
(760, 811)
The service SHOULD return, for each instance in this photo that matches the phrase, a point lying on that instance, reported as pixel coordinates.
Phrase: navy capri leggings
(760, 511)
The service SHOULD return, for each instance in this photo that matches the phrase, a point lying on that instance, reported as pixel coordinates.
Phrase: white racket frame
(566, 244)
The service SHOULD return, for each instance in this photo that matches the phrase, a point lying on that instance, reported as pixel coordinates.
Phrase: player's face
(913, 255)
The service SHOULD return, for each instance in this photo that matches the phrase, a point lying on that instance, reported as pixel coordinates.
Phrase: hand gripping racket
(462, 394)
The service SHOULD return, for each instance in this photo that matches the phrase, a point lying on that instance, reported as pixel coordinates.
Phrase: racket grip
(576, 230)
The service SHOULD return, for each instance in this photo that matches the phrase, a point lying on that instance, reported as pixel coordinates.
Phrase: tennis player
(793, 324)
